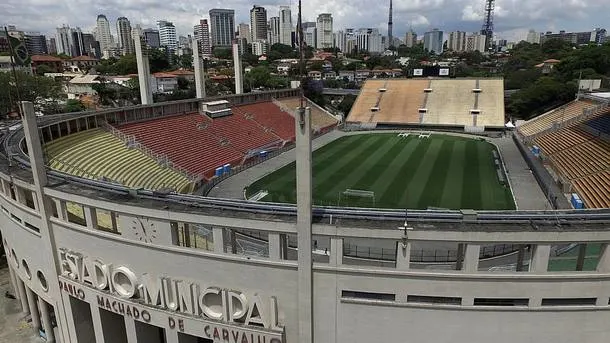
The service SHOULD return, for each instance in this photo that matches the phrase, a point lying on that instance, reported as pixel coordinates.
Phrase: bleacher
(320, 120)
(594, 189)
(558, 115)
(491, 103)
(271, 118)
(600, 124)
(186, 141)
(241, 133)
(450, 103)
(401, 102)
(369, 94)
(97, 154)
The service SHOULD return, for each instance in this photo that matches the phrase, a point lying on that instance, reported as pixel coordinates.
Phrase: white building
(457, 41)
(369, 39)
(103, 34)
(167, 35)
(222, 27)
(433, 41)
(285, 25)
(64, 40)
(273, 31)
(324, 31)
(124, 34)
(243, 31)
(410, 38)
(259, 47)
(533, 37)
(475, 42)
(309, 34)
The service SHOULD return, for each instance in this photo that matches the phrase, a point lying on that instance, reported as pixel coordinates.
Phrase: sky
(513, 18)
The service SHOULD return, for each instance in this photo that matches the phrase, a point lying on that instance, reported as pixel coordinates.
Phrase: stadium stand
(320, 119)
(594, 189)
(98, 154)
(402, 101)
(271, 117)
(491, 102)
(557, 115)
(601, 124)
(241, 133)
(186, 141)
(450, 103)
(369, 94)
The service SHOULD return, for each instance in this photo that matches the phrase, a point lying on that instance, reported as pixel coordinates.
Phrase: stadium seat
(320, 119)
(557, 115)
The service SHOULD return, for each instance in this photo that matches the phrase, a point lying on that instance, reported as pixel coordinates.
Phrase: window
(368, 295)
(425, 299)
(501, 302)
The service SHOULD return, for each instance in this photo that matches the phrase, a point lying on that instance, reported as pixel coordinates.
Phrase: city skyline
(460, 15)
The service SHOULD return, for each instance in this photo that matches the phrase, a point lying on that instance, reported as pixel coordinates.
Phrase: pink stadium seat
(272, 118)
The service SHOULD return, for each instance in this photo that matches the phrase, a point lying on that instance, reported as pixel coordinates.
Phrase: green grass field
(442, 171)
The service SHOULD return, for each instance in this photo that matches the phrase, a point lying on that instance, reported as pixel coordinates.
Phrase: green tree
(346, 104)
(158, 61)
(223, 53)
(37, 89)
(185, 61)
(74, 105)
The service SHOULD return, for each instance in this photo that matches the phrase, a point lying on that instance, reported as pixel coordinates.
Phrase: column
(19, 194)
(23, 297)
(580, 261)
(90, 217)
(130, 330)
(540, 259)
(275, 251)
(603, 265)
(115, 227)
(35, 200)
(97, 324)
(471, 258)
(13, 280)
(403, 255)
(32, 301)
(46, 321)
(171, 336)
(336, 251)
(218, 240)
(284, 246)
(459, 257)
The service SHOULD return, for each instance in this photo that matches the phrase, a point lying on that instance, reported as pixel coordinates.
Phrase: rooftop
(45, 58)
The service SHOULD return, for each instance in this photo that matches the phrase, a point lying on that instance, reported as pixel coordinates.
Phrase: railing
(162, 159)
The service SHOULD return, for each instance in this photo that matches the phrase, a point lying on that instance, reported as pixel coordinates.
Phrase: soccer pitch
(438, 172)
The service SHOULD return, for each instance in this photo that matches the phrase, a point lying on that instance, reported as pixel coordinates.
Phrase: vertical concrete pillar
(130, 330)
(90, 217)
(13, 280)
(23, 297)
(97, 324)
(459, 257)
(603, 265)
(218, 240)
(471, 258)
(336, 251)
(520, 258)
(115, 226)
(304, 207)
(171, 336)
(19, 194)
(284, 246)
(143, 71)
(403, 255)
(275, 250)
(580, 261)
(36, 205)
(62, 210)
(199, 71)
(233, 241)
(540, 259)
(32, 301)
(239, 85)
(46, 321)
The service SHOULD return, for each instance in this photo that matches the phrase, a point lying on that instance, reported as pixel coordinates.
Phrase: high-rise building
(78, 46)
(222, 27)
(310, 36)
(533, 37)
(89, 45)
(258, 23)
(369, 39)
(274, 30)
(475, 42)
(457, 41)
(324, 28)
(259, 47)
(410, 38)
(285, 25)
(123, 31)
(52, 46)
(167, 35)
(151, 37)
(345, 40)
(243, 31)
(36, 43)
(64, 40)
(433, 41)
(202, 34)
(103, 35)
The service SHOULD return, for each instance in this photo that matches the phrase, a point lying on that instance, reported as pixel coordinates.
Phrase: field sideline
(441, 171)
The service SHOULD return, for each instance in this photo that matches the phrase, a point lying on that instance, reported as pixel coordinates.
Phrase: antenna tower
(488, 24)
(390, 38)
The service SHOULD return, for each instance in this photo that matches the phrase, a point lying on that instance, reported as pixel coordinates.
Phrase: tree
(37, 89)
(43, 69)
(185, 61)
(346, 104)
(74, 105)
(127, 64)
(158, 61)
(222, 53)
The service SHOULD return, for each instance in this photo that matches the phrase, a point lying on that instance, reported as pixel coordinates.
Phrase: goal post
(356, 193)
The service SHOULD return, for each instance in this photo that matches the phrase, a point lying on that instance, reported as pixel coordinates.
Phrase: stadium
(424, 218)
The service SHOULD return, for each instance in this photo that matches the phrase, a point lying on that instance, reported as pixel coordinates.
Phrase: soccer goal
(349, 196)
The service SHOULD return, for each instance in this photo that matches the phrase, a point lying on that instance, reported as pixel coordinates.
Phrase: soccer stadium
(247, 219)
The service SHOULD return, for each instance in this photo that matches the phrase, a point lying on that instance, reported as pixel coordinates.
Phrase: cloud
(449, 15)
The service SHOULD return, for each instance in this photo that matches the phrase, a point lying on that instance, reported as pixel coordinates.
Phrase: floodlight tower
(488, 24)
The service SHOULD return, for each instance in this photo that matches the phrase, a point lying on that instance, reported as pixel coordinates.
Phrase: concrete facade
(128, 270)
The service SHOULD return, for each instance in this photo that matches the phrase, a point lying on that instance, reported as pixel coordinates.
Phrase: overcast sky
(512, 17)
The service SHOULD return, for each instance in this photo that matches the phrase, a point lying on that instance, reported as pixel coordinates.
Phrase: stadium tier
(557, 115)
(240, 132)
(320, 119)
(601, 124)
(271, 117)
(435, 102)
(98, 154)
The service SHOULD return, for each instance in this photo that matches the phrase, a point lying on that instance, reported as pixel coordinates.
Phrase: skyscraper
(369, 39)
(475, 42)
(324, 28)
(533, 37)
(167, 35)
(222, 27)
(78, 46)
(36, 43)
(410, 38)
(89, 45)
(202, 34)
(433, 41)
(151, 37)
(243, 30)
(258, 23)
(457, 41)
(274, 30)
(123, 30)
(102, 33)
(64, 40)
(285, 25)
(52, 46)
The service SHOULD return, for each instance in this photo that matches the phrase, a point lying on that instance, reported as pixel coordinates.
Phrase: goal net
(351, 197)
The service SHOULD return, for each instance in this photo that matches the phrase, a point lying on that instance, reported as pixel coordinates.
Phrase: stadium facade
(181, 268)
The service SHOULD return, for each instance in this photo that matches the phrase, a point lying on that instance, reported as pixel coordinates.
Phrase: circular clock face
(144, 229)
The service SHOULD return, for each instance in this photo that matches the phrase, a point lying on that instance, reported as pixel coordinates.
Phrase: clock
(144, 229)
